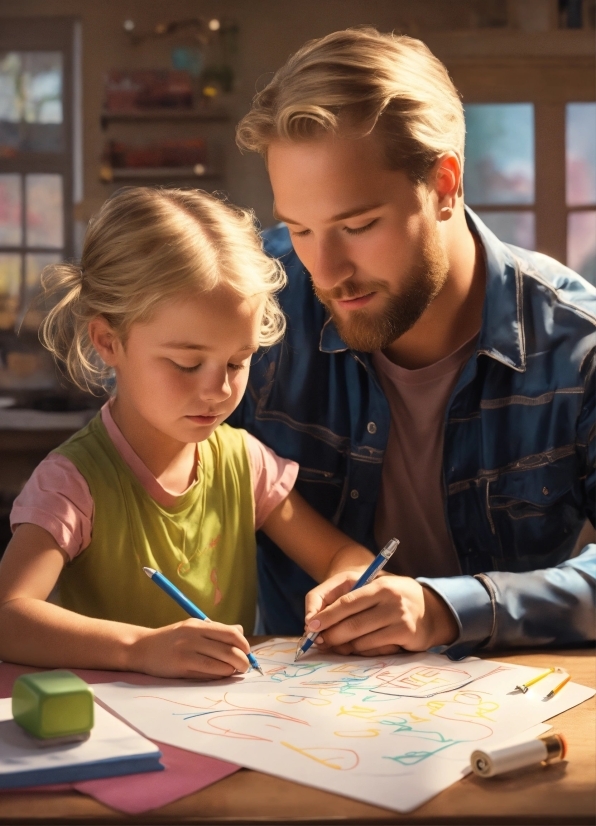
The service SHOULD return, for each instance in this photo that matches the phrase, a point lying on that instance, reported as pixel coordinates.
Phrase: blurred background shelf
(109, 174)
(177, 115)
(38, 420)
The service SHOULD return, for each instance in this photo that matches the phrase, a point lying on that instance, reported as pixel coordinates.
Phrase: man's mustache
(349, 290)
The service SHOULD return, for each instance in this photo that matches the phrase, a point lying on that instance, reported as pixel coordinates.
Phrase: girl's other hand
(192, 649)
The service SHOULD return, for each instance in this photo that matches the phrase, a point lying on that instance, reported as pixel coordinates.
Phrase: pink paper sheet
(185, 772)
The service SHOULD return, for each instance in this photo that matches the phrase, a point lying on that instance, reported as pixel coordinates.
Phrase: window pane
(34, 264)
(512, 227)
(580, 150)
(31, 101)
(581, 244)
(42, 87)
(11, 231)
(10, 99)
(499, 166)
(10, 288)
(44, 211)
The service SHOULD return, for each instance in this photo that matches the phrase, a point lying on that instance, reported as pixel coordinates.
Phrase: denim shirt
(518, 457)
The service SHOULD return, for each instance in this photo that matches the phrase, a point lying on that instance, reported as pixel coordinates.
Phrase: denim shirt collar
(331, 341)
(502, 331)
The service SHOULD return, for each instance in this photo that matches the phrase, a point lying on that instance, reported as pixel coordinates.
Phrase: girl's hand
(36, 632)
(191, 649)
(388, 614)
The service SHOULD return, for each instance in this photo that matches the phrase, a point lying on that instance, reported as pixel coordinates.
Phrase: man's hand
(388, 614)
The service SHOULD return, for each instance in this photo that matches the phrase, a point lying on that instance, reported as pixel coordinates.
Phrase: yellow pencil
(525, 686)
(557, 688)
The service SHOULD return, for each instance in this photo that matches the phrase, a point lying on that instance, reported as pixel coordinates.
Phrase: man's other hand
(387, 615)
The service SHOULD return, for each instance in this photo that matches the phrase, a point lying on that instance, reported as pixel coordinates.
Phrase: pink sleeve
(272, 477)
(57, 498)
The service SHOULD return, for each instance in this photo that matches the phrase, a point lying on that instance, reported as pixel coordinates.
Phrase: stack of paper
(112, 749)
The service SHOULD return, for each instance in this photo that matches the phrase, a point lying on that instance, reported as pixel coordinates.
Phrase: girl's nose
(216, 387)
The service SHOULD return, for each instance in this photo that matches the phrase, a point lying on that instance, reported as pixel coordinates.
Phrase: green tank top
(205, 544)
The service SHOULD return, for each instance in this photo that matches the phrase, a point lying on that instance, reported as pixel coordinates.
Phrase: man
(439, 388)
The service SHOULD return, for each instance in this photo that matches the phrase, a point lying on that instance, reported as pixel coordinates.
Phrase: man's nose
(330, 265)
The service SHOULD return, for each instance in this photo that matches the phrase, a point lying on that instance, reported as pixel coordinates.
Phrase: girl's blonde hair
(355, 81)
(144, 248)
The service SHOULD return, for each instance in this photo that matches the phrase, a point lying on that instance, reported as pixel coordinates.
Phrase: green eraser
(53, 704)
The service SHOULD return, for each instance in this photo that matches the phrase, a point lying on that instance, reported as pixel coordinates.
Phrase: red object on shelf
(184, 152)
(169, 153)
(145, 89)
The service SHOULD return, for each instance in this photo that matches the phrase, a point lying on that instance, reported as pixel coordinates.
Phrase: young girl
(173, 296)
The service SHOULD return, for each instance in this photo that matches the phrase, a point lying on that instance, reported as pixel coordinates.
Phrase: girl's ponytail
(64, 329)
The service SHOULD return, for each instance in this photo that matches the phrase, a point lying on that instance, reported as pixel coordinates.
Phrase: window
(36, 168)
(499, 169)
(500, 177)
(580, 162)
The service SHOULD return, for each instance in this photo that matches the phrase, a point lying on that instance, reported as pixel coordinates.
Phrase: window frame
(45, 35)
(576, 209)
(556, 68)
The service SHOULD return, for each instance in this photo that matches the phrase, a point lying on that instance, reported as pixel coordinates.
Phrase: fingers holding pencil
(193, 610)
(192, 649)
(386, 615)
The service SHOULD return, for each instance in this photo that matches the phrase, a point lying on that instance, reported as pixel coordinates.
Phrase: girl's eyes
(186, 369)
(194, 368)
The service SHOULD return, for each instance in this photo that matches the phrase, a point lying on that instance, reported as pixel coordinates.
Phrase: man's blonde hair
(147, 247)
(356, 81)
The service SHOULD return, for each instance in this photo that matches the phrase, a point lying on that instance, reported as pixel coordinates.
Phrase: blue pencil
(164, 583)
(375, 567)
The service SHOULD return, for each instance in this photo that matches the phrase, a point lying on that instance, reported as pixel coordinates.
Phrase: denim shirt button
(371, 427)
(354, 494)
(545, 491)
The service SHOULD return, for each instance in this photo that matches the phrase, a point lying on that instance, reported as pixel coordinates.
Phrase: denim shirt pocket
(324, 490)
(533, 509)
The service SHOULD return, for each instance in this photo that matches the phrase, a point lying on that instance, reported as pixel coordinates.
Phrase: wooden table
(562, 793)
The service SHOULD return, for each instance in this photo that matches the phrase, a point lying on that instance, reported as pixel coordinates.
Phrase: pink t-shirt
(57, 497)
(411, 503)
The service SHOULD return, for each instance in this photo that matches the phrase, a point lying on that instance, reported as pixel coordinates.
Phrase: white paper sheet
(110, 739)
(377, 730)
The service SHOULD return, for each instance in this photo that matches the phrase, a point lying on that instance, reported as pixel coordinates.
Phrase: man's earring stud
(445, 213)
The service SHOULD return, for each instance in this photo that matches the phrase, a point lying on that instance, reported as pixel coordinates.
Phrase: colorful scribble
(339, 759)
(294, 699)
(410, 758)
(238, 721)
(288, 671)
(385, 679)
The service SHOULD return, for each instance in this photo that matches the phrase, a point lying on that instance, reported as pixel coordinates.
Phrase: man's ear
(447, 183)
(104, 339)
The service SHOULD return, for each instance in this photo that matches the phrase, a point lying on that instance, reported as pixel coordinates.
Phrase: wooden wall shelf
(161, 173)
(148, 115)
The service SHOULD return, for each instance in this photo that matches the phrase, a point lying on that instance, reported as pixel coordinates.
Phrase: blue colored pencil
(375, 567)
(170, 589)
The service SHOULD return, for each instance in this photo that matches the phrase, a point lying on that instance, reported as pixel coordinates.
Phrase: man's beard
(367, 331)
